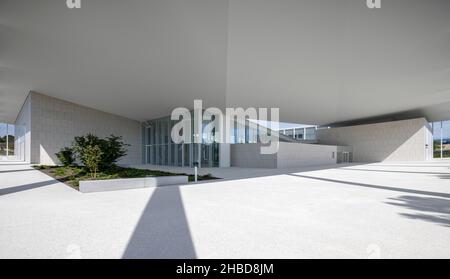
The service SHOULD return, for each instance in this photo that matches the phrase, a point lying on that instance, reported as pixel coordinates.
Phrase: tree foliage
(92, 156)
(112, 149)
(66, 156)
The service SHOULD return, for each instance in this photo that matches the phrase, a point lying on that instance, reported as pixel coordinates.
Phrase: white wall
(248, 155)
(289, 155)
(302, 154)
(55, 123)
(403, 140)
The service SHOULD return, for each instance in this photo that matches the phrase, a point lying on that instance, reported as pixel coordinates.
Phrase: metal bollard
(195, 171)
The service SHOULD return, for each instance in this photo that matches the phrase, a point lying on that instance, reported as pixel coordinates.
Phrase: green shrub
(92, 156)
(59, 171)
(112, 149)
(66, 156)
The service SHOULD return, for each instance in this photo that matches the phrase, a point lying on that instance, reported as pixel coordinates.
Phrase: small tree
(112, 149)
(92, 157)
(66, 156)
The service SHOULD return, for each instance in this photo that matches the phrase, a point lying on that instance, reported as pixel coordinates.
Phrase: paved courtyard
(386, 210)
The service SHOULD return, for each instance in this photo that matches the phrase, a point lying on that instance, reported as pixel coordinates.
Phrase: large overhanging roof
(320, 62)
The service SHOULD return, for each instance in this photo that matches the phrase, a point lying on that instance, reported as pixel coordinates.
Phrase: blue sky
(282, 125)
(445, 130)
(3, 129)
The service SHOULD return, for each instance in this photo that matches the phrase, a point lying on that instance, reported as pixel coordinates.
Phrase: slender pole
(442, 153)
(195, 173)
(7, 142)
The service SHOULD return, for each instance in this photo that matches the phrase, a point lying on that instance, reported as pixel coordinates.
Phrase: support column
(442, 151)
(7, 141)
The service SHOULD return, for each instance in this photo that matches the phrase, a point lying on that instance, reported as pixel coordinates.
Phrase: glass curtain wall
(310, 133)
(307, 133)
(441, 139)
(7, 141)
(159, 148)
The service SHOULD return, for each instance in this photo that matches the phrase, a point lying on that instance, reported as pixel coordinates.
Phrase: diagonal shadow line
(411, 172)
(162, 231)
(428, 209)
(5, 171)
(429, 218)
(25, 187)
(424, 204)
(408, 166)
(437, 194)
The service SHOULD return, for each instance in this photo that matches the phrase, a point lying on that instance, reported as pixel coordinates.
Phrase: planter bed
(117, 178)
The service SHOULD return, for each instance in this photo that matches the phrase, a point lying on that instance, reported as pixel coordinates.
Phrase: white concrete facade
(405, 140)
(302, 155)
(289, 155)
(48, 124)
(249, 155)
(52, 124)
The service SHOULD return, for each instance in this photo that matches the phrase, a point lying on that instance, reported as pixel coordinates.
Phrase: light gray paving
(387, 210)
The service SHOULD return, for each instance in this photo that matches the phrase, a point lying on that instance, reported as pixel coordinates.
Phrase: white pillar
(442, 153)
(7, 142)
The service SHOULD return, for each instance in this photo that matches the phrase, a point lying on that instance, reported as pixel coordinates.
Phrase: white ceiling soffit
(320, 62)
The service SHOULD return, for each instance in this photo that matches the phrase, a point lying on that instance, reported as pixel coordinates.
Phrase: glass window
(299, 133)
(161, 150)
(206, 152)
(445, 139)
(179, 154)
(289, 133)
(310, 133)
(186, 151)
(436, 139)
(154, 155)
(7, 140)
(441, 139)
(172, 154)
(215, 154)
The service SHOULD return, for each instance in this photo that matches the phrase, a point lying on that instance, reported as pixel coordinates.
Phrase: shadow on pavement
(6, 171)
(163, 230)
(380, 187)
(428, 209)
(396, 171)
(25, 187)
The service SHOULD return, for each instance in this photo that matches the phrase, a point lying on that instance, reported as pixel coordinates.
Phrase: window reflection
(441, 139)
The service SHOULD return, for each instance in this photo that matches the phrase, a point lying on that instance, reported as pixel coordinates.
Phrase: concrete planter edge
(91, 186)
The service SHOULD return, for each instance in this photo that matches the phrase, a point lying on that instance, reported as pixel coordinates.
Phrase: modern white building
(368, 82)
